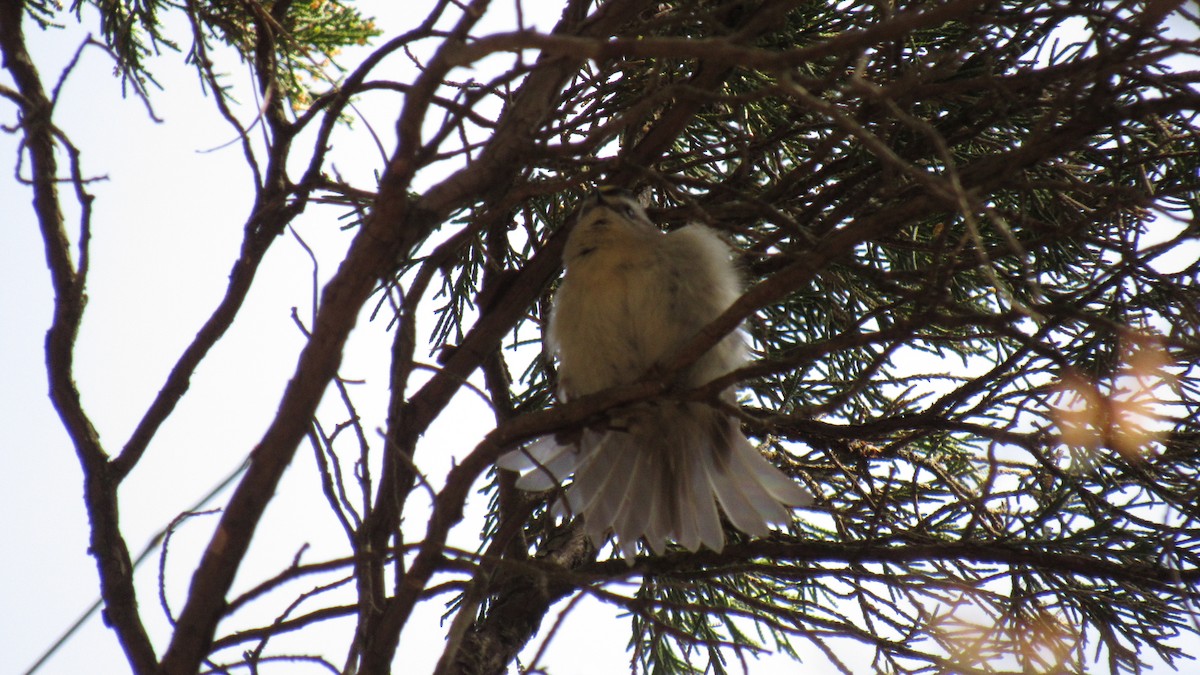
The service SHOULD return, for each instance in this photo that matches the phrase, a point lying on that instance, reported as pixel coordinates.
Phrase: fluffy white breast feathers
(631, 298)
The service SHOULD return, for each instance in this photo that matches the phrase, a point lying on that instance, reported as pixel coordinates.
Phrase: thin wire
(150, 547)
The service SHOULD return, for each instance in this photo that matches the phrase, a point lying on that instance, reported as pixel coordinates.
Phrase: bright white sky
(166, 228)
(167, 225)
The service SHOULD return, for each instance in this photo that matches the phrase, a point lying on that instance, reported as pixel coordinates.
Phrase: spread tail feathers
(659, 472)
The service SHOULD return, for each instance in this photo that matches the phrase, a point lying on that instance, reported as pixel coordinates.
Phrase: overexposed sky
(166, 228)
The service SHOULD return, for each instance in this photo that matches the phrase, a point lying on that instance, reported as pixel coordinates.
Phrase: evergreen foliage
(969, 235)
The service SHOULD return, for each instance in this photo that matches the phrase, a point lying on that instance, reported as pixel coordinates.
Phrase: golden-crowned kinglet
(631, 298)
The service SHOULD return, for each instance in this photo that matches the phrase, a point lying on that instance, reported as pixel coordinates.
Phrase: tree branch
(107, 545)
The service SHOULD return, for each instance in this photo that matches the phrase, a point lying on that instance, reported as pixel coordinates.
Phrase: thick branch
(485, 179)
(107, 546)
(371, 256)
(735, 558)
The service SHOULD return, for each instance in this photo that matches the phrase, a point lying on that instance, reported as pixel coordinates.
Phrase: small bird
(656, 471)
